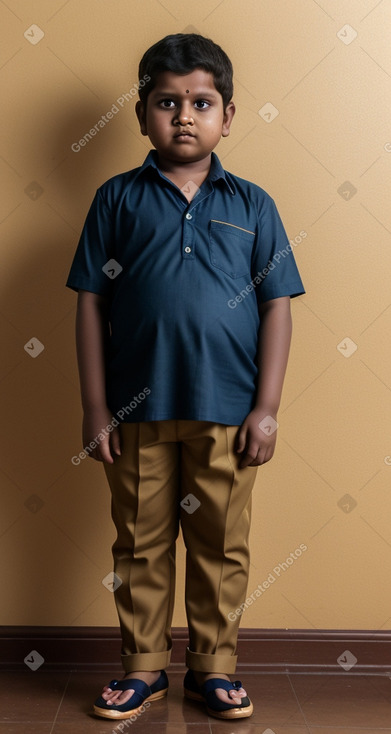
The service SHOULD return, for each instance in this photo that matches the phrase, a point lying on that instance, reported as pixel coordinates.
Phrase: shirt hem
(201, 418)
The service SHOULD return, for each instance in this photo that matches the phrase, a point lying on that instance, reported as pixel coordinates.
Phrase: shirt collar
(216, 171)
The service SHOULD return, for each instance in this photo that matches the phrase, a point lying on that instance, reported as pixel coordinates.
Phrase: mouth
(183, 134)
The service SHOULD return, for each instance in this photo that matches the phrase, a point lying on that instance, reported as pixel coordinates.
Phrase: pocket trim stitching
(228, 224)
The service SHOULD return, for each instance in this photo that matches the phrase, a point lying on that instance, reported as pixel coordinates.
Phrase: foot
(120, 697)
(225, 696)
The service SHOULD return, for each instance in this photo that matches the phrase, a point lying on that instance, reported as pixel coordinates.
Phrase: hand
(255, 446)
(95, 422)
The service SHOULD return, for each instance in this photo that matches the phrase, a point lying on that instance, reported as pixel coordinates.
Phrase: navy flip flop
(214, 706)
(142, 693)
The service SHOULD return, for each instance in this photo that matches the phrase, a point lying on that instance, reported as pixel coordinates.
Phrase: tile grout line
(298, 702)
(60, 704)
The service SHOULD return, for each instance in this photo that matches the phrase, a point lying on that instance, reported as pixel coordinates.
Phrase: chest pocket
(230, 248)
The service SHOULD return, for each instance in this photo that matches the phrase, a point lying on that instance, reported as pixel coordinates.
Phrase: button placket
(188, 238)
(188, 244)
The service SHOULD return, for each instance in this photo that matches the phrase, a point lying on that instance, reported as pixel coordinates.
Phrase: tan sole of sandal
(113, 714)
(236, 713)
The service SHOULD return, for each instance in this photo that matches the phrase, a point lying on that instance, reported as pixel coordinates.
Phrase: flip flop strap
(124, 685)
(213, 683)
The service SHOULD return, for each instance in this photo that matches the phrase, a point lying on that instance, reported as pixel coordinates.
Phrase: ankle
(206, 676)
(143, 674)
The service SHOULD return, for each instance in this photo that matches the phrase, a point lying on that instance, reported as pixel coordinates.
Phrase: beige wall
(328, 484)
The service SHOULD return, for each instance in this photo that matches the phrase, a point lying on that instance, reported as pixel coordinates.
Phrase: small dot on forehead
(187, 91)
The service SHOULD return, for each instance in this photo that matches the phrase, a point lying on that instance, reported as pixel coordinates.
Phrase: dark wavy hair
(182, 53)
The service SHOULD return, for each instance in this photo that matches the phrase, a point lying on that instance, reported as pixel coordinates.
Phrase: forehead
(197, 80)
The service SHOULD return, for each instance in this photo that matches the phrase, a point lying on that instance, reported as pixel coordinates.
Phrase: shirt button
(189, 216)
(187, 249)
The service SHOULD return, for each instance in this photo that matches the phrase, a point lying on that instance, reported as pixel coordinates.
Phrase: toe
(108, 693)
(241, 692)
(124, 696)
(119, 697)
(235, 696)
(228, 696)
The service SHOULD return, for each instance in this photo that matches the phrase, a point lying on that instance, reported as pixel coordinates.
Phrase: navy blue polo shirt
(183, 281)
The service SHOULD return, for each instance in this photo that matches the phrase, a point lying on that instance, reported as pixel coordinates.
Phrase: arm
(92, 332)
(274, 339)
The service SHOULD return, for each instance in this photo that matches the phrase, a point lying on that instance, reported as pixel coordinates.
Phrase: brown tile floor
(59, 703)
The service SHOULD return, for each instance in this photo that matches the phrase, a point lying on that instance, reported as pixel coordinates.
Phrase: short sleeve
(274, 270)
(93, 251)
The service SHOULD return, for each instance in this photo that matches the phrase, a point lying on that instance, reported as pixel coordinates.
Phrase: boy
(184, 276)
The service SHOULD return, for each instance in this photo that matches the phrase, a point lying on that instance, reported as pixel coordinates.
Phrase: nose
(184, 116)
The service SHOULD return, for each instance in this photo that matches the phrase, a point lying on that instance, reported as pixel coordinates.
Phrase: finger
(250, 455)
(259, 460)
(247, 460)
(96, 454)
(104, 452)
(240, 441)
(264, 455)
(116, 441)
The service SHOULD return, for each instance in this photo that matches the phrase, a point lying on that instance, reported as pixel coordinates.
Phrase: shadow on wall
(57, 527)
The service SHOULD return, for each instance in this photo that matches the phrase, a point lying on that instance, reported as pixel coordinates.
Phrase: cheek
(156, 121)
(213, 123)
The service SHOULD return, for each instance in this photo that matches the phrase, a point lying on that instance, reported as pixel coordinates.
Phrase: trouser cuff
(146, 661)
(210, 663)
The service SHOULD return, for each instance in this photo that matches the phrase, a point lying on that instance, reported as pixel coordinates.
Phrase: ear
(228, 116)
(140, 112)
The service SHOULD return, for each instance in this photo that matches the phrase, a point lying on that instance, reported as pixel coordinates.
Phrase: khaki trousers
(169, 472)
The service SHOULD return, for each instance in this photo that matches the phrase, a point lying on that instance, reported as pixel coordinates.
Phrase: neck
(196, 171)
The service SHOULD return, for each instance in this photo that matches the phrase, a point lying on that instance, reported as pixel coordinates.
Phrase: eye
(202, 102)
(166, 103)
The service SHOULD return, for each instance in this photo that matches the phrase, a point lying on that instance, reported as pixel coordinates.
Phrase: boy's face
(185, 119)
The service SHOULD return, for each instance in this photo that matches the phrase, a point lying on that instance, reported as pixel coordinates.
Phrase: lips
(183, 133)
